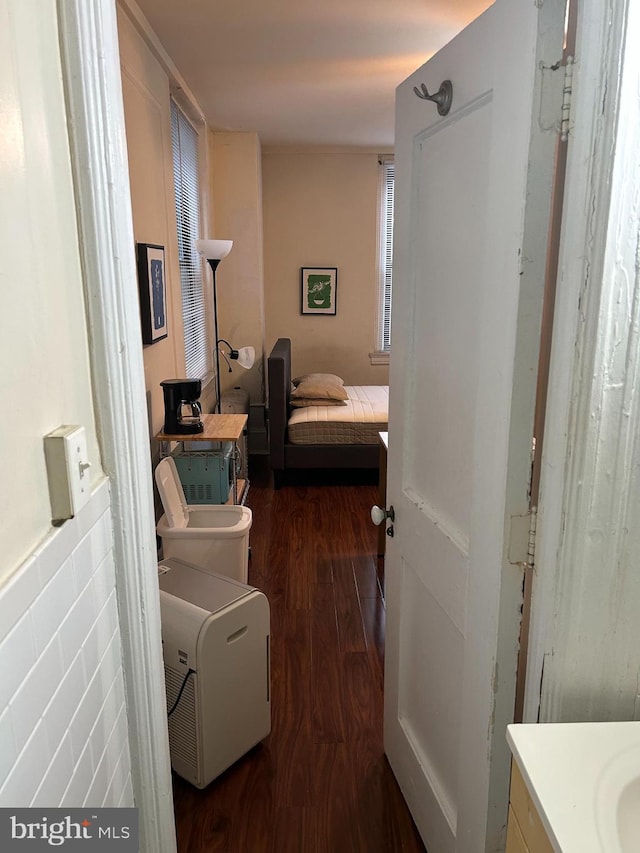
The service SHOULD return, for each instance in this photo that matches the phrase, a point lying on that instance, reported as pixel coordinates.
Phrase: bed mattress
(358, 422)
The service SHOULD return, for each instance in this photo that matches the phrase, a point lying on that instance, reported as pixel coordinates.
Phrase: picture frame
(318, 290)
(152, 282)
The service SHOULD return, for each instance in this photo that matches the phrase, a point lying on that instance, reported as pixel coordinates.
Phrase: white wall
(63, 725)
(320, 209)
(585, 663)
(43, 342)
(63, 720)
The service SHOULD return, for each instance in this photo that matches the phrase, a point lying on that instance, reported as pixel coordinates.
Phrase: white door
(471, 218)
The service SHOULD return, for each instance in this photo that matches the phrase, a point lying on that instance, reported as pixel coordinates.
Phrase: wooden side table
(223, 428)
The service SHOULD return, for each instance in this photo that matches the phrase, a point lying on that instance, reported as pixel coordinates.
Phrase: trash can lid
(171, 493)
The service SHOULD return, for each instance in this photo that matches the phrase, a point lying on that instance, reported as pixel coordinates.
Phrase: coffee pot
(182, 409)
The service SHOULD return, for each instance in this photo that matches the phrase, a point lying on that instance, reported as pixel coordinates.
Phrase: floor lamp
(214, 251)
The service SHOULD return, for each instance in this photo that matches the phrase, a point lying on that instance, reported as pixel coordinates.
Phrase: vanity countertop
(584, 779)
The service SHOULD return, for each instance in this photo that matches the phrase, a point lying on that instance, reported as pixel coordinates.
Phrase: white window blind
(184, 139)
(387, 178)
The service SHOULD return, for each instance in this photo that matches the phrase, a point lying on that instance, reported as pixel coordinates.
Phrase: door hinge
(522, 539)
(555, 97)
(567, 91)
(533, 527)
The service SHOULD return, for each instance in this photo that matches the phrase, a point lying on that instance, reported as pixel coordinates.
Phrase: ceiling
(300, 72)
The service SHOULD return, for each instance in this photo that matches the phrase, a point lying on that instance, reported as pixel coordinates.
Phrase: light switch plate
(68, 470)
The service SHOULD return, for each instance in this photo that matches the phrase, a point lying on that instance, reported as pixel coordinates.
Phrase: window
(184, 139)
(387, 177)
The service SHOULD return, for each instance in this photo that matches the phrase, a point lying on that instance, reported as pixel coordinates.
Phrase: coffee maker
(182, 409)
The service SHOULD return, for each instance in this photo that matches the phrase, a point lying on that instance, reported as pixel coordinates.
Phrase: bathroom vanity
(525, 830)
(575, 788)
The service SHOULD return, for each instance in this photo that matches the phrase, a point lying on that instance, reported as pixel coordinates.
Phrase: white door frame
(599, 229)
(92, 78)
(93, 89)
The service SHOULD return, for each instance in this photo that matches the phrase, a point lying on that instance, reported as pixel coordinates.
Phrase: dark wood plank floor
(320, 782)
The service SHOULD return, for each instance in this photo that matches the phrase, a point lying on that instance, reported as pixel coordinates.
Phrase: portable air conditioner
(215, 642)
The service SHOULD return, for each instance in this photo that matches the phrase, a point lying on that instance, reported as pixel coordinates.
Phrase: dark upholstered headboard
(285, 456)
(279, 385)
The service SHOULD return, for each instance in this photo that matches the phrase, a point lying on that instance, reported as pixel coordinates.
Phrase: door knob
(378, 515)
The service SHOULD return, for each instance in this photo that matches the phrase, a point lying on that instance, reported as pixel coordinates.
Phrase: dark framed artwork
(318, 290)
(153, 292)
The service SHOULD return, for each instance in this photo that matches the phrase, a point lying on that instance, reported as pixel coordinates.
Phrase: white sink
(629, 817)
(584, 779)
(617, 802)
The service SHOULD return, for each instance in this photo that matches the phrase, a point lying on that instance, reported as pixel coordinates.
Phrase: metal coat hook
(442, 97)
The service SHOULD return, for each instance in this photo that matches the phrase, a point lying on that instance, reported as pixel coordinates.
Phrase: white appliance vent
(182, 723)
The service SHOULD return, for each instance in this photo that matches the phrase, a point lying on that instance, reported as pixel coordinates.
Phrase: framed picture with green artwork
(318, 289)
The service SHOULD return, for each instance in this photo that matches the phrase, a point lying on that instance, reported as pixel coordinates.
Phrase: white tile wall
(63, 722)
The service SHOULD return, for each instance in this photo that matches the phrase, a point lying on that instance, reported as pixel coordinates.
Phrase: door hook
(442, 98)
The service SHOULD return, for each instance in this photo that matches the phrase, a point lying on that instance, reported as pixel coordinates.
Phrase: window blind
(387, 179)
(184, 139)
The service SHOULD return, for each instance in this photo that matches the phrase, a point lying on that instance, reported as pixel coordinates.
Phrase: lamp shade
(214, 250)
(246, 357)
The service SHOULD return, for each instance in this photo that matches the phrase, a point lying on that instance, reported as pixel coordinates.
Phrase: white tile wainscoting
(63, 718)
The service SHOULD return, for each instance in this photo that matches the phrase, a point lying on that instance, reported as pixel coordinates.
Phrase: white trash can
(215, 538)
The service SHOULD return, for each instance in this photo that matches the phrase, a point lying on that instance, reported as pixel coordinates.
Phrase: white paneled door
(473, 193)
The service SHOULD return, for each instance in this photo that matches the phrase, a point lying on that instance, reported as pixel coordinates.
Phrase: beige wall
(231, 201)
(320, 209)
(236, 193)
(45, 379)
(146, 94)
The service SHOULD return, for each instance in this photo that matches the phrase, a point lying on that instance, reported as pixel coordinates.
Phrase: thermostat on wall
(67, 460)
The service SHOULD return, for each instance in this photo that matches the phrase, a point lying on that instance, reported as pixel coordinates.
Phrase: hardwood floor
(320, 782)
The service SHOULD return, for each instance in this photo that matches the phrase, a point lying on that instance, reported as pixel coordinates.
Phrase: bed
(344, 435)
